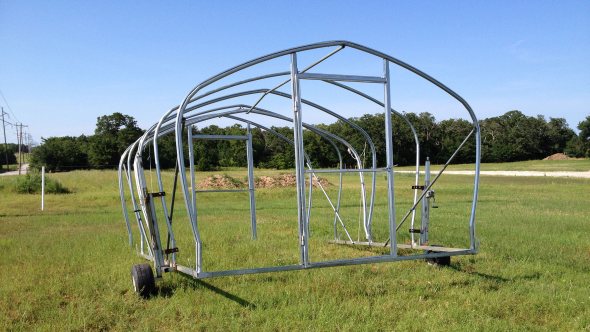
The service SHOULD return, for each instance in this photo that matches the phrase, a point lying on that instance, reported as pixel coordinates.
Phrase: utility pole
(21, 158)
(19, 135)
(18, 143)
(5, 144)
(29, 144)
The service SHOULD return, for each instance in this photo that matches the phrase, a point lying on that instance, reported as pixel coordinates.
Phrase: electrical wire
(8, 106)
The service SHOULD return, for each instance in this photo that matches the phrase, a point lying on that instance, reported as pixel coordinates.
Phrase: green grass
(68, 268)
(11, 167)
(26, 157)
(572, 165)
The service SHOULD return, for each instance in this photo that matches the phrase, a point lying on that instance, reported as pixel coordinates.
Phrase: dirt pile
(284, 180)
(220, 182)
(276, 181)
(557, 156)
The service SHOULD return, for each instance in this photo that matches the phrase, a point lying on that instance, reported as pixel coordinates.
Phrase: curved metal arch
(240, 109)
(340, 162)
(341, 43)
(141, 142)
(196, 118)
(367, 223)
(416, 139)
(152, 132)
(178, 124)
(313, 128)
(149, 135)
(387, 58)
(367, 217)
(143, 236)
(309, 166)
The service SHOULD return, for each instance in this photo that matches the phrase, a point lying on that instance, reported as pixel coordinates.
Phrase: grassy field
(68, 268)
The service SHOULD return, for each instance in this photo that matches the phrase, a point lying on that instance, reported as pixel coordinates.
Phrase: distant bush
(10, 156)
(31, 184)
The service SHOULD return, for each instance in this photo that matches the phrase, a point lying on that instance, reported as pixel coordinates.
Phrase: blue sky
(64, 63)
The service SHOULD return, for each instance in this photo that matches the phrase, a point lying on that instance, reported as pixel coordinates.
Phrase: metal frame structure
(201, 105)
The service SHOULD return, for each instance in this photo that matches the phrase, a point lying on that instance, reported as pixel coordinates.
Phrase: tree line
(8, 154)
(512, 136)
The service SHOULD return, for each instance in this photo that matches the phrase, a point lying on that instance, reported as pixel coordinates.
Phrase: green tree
(579, 146)
(61, 154)
(206, 152)
(557, 135)
(113, 134)
(452, 133)
(513, 136)
(7, 152)
(278, 153)
(428, 133)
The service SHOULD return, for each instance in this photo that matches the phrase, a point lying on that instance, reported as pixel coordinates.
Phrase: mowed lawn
(68, 268)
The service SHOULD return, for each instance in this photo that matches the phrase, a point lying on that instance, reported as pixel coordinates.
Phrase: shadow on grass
(167, 291)
(490, 277)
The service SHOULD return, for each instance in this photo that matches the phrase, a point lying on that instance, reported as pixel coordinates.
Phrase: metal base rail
(437, 252)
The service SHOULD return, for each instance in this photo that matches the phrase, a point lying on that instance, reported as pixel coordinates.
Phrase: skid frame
(202, 105)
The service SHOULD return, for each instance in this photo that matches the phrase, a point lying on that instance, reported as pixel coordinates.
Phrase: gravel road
(585, 175)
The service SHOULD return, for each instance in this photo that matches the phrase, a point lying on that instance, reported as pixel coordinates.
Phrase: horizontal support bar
(400, 245)
(220, 137)
(348, 170)
(222, 190)
(341, 78)
(387, 258)
(339, 262)
(226, 273)
(186, 270)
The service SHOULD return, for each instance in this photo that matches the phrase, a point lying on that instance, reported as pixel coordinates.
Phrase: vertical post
(389, 153)
(28, 139)
(191, 158)
(42, 188)
(425, 206)
(299, 162)
(473, 244)
(250, 156)
(18, 138)
(5, 144)
(152, 222)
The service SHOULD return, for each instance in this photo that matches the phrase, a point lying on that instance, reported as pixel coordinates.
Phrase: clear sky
(64, 63)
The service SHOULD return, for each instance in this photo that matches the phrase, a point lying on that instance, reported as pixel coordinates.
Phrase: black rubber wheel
(142, 276)
(441, 261)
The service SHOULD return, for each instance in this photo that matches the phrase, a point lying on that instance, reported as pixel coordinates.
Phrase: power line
(8, 106)
(8, 123)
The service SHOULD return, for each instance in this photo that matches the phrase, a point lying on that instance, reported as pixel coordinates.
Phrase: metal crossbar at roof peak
(244, 105)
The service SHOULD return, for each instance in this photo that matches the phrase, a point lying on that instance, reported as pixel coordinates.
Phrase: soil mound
(557, 156)
(220, 182)
(284, 180)
(277, 181)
